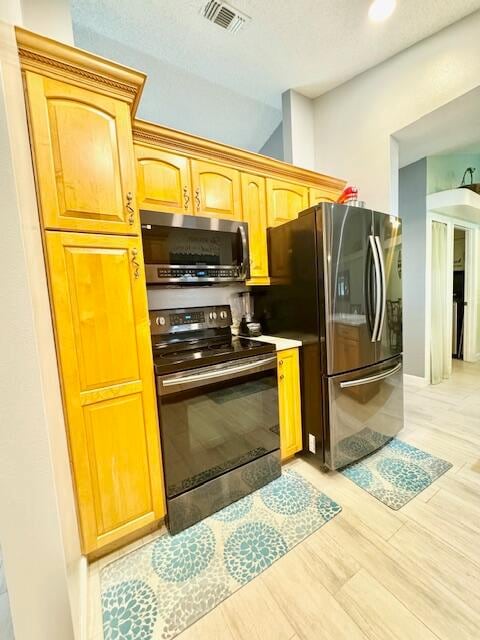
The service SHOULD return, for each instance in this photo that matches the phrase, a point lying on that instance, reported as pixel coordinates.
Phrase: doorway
(458, 304)
(452, 294)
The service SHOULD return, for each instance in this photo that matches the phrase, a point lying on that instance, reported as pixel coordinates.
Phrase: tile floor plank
(295, 583)
(252, 613)
(438, 559)
(436, 606)
(213, 626)
(378, 613)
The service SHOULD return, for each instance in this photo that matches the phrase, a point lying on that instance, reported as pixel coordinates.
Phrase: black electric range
(218, 406)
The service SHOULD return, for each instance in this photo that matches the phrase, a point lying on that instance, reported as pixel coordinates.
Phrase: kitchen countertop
(280, 343)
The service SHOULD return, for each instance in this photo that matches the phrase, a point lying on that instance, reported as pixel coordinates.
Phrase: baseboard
(416, 381)
(83, 613)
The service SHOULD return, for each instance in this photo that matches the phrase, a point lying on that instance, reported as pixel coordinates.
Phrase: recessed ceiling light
(381, 10)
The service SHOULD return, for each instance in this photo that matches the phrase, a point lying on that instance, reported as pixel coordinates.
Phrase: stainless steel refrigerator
(336, 284)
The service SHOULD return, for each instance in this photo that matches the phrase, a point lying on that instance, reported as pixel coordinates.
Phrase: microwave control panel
(168, 274)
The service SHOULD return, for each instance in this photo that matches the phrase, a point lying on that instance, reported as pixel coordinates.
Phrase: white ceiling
(309, 45)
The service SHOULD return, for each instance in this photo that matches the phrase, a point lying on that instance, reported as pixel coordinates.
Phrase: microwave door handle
(218, 375)
(245, 250)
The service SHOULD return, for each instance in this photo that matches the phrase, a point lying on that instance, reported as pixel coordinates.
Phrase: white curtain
(441, 341)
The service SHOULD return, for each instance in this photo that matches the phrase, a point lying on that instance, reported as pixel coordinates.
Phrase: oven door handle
(217, 374)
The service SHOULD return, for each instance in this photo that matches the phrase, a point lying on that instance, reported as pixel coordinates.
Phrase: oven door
(215, 419)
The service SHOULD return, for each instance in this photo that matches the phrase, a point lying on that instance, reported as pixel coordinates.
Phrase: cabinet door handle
(129, 208)
(280, 362)
(282, 377)
(197, 198)
(186, 197)
(135, 263)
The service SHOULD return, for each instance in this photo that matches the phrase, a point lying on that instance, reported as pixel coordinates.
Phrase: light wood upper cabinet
(99, 301)
(255, 213)
(163, 180)
(285, 200)
(289, 402)
(324, 194)
(216, 190)
(83, 155)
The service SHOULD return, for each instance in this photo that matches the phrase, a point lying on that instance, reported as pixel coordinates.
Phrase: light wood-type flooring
(373, 573)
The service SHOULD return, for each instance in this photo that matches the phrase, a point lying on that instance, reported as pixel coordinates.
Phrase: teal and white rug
(396, 473)
(159, 590)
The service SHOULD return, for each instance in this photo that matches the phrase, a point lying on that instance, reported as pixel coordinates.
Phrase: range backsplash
(177, 297)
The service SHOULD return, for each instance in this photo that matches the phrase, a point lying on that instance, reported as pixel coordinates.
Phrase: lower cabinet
(289, 402)
(98, 295)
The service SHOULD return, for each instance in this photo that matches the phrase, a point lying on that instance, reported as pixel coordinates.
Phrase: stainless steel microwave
(190, 250)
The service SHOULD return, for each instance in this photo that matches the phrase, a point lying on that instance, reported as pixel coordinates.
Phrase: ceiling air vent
(225, 16)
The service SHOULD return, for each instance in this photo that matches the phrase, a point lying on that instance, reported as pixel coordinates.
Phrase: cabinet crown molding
(63, 62)
(173, 140)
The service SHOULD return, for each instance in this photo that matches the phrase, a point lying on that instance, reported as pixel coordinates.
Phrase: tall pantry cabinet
(79, 109)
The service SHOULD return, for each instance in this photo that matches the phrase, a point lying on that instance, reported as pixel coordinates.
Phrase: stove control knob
(213, 315)
(160, 320)
(223, 314)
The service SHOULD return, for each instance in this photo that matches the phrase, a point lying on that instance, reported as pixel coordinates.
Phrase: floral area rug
(159, 590)
(396, 473)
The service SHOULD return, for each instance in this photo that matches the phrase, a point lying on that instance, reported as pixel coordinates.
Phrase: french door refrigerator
(336, 284)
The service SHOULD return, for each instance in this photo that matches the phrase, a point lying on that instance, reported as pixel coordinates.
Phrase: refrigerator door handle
(383, 295)
(376, 378)
(378, 299)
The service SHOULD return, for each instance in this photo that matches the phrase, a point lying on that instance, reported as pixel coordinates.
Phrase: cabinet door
(101, 322)
(323, 194)
(289, 402)
(163, 180)
(255, 213)
(285, 200)
(216, 190)
(83, 155)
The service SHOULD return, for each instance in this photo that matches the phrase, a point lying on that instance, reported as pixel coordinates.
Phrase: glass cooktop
(199, 353)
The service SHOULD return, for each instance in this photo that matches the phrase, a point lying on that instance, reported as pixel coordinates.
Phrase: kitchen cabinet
(290, 416)
(255, 213)
(99, 302)
(163, 180)
(216, 190)
(83, 157)
(323, 194)
(285, 200)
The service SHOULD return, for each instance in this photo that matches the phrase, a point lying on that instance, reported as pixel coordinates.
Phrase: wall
(273, 147)
(181, 100)
(412, 209)
(298, 130)
(446, 171)
(33, 452)
(49, 17)
(477, 267)
(46, 574)
(354, 122)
